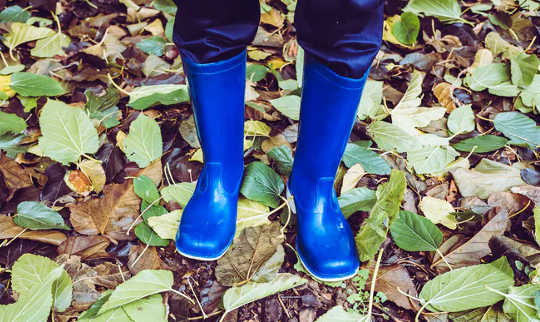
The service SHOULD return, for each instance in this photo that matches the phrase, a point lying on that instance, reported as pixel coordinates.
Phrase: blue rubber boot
(208, 221)
(324, 240)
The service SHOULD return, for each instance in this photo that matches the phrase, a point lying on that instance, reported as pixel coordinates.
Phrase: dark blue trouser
(345, 35)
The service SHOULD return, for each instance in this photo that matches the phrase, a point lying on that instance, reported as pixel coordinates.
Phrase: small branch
(373, 282)
(197, 299)
(183, 295)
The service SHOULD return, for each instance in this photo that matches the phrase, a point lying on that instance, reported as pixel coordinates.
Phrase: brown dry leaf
(8, 229)
(83, 278)
(111, 275)
(477, 247)
(275, 141)
(249, 252)
(528, 191)
(443, 92)
(508, 201)
(389, 278)
(95, 173)
(142, 257)
(77, 181)
(87, 247)
(15, 177)
(272, 17)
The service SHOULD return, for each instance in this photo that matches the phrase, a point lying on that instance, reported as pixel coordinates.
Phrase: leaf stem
(183, 295)
(373, 282)
(197, 299)
(444, 259)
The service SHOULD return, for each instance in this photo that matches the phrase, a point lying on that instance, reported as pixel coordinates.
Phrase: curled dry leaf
(477, 247)
(86, 247)
(8, 229)
(143, 257)
(389, 279)
(111, 275)
(83, 277)
(15, 177)
(248, 253)
(95, 173)
(443, 92)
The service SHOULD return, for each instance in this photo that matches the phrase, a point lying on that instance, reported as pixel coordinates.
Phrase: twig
(373, 282)
(142, 213)
(444, 259)
(197, 299)
(183, 295)
(284, 307)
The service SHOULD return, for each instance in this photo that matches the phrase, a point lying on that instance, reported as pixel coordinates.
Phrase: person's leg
(212, 37)
(340, 39)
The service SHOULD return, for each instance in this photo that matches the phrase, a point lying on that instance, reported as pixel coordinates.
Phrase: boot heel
(290, 200)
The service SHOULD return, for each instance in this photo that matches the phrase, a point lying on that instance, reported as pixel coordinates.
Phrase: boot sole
(292, 206)
(205, 258)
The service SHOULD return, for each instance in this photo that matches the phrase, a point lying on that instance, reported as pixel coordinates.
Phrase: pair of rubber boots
(324, 241)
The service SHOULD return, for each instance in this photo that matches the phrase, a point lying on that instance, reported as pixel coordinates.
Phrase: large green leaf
(10, 122)
(30, 271)
(481, 143)
(34, 305)
(237, 296)
(179, 192)
(67, 132)
(144, 97)
(148, 236)
(519, 128)
(152, 46)
(415, 233)
(370, 161)
(520, 303)
(337, 313)
(406, 29)
(466, 288)
(431, 159)
(167, 6)
(21, 33)
(143, 143)
(14, 14)
(523, 68)
(145, 188)
(357, 199)
(531, 95)
(145, 283)
(493, 77)
(263, 184)
(371, 101)
(150, 308)
(282, 155)
(36, 216)
(30, 84)
(497, 45)
(51, 46)
(461, 120)
(373, 232)
(447, 11)
(288, 105)
(389, 137)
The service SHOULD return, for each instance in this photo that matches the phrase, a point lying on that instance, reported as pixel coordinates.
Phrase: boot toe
(335, 265)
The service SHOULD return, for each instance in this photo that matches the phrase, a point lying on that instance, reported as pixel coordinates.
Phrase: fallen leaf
(528, 191)
(248, 253)
(389, 279)
(351, 177)
(86, 247)
(443, 92)
(472, 251)
(83, 277)
(15, 177)
(111, 275)
(142, 257)
(438, 211)
(8, 229)
(95, 173)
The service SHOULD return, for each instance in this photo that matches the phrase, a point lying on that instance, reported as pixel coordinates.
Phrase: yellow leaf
(166, 225)
(5, 82)
(94, 171)
(155, 28)
(256, 128)
(258, 54)
(276, 63)
(438, 211)
(272, 17)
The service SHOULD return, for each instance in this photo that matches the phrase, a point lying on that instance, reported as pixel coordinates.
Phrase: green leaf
(103, 108)
(36, 216)
(21, 33)
(143, 143)
(337, 313)
(431, 159)
(447, 11)
(51, 46)
(371, 101)
(520, 129)
(11, 123)
(357, 199)
(481, 143)
(145, 283)
(497, 45)
(10, 144)
(30, 271)
(251, 214)
(152, 46)
(150, 308)
(167, 6)
(67, 132)
(179, 192)
(237, 296)
(144, 97)
(466, 288)
(263, 184)
(14, 14)
(94, 308)
(256, 72)
(166, 226)
(523, 68)
(406, 29)
(389, 137)
(288, 105)
(29, 103)
(415, 233)
(34, 305)
(536, 215)
(146, 189)
(283, 157)
(370, 161)
(520, 303)
(30, 84)
(151, 211)
(531, 95)
(148, 236)
(12, 69)
(493, 77)
(373, 232)
(461, 120)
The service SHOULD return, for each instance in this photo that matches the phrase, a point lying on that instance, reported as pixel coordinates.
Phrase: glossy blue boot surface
(324, 240)
(208, 221)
